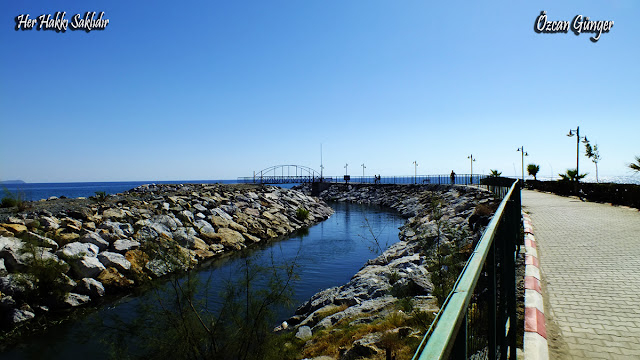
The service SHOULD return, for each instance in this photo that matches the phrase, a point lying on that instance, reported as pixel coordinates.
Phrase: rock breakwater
(64, 253)
(443, 224)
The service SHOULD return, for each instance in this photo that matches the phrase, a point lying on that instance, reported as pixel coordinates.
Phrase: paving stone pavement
(590, 260)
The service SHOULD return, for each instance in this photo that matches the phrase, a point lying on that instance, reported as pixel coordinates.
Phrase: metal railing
(478, 318)
(459, 179)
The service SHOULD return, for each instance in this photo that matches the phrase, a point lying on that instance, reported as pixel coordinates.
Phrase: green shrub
(101, 196)
(8, 202)
(302, 214)
(393, 277)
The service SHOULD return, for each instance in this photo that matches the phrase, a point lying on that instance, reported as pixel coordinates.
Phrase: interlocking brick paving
(589, 255)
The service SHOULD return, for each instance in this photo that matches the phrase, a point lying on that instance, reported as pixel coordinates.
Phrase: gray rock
(205, 229)
(87, 266)
(359, 351)
(3, 269)
(113, 213)
(49, 223)
(185, 236)
(7, 302)
(94, 238)
(115, 260)
(16, 316)
(117, 230)
(91, 287)
(221, 213)
(231, 238)
(16, 285)
(43, 241)
(15, 220)
(75, 300)
(122, 246)
(77, 249)
(166, 220)
(304, 333)
(200, 208)
(186, 216)
(151, 230)
(158, 268)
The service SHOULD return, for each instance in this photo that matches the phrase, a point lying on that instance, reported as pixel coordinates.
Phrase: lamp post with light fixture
(576, 133)
(524, 153)
(471, 160)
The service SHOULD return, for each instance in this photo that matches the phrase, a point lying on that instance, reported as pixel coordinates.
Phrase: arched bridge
(283, 174)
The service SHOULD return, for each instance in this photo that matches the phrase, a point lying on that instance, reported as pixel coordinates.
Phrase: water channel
(329, 254)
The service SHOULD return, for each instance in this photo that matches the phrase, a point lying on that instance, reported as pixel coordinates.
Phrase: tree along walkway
(590, 261)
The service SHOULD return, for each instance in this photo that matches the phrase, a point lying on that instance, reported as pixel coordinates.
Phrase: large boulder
(205, 229)
(116, 230)
(91, 287)
(43, 241)
(75, 300)
(94, 238)
(16, 316)
(230, 238)
(113, 279)
(49, 223)
(219, 212)
(83, 213)
(15, 229)
(113, 213)
(304, 333)
(219, 221)
(111, 259)
(87, 266)
(76, 250)
(122, 246)
(138, 260)
(167, 221)
(16, 285)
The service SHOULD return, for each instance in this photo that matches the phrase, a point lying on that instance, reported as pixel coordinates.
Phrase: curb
(535, 331)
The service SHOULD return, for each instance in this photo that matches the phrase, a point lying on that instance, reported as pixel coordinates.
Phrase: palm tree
(636, 165)
(495, 173)
(572, 175)
(533, 169)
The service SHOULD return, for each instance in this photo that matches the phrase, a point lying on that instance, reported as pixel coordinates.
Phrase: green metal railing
(478, 318)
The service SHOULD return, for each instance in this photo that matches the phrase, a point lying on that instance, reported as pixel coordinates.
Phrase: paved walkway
(590, 260)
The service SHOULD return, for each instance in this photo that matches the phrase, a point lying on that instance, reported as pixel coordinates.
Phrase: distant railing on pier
(459, 179)
(478, 318)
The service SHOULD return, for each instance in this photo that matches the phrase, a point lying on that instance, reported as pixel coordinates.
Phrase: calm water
(329, 255)
(37, 191)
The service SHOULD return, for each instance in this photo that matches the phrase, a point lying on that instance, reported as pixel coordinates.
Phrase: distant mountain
(8, 182)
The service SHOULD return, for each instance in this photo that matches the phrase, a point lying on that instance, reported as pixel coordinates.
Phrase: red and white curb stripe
(535, 331)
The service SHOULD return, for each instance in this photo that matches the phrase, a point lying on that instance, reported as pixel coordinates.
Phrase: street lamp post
(576, 133)
(346, 170)
(524, 153)
(363, 167)
(321, 166)
(415, 174)
(471, 161)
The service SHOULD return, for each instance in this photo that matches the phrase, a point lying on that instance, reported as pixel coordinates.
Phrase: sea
(39, 191)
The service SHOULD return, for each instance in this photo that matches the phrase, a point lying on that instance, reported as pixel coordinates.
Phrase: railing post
(460, 349)
(493, 300)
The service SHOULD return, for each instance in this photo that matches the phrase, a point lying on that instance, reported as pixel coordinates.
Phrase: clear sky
(181, 90)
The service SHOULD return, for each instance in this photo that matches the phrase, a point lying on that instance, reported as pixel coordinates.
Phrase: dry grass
(330, 310)
(329, 342)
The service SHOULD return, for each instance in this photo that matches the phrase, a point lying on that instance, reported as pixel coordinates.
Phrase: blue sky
(218, 89)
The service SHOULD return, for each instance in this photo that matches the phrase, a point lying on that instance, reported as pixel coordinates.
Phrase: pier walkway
(589, 257)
